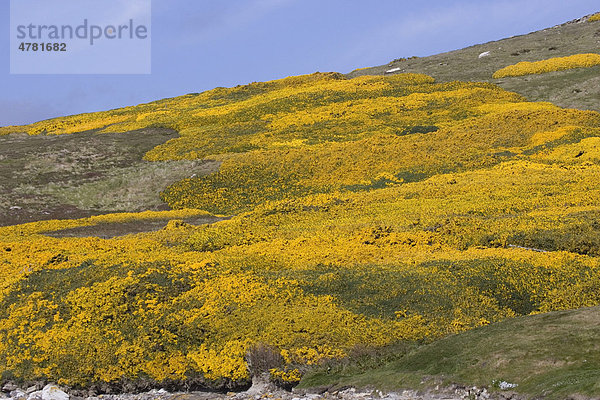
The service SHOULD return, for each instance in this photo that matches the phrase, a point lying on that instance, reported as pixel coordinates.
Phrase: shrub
(262, 358)
(549, 65)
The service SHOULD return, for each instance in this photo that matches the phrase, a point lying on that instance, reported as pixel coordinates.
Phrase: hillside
(552, 355)
(573, 89)
(291, 221)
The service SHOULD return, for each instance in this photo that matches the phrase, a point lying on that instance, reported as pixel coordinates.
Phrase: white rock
(9, 387)
(15, 208)
(53, 392)
(35, 395)
(18, 394)
(389, 71)
(485, 54)
(31, 389)
(506, 385)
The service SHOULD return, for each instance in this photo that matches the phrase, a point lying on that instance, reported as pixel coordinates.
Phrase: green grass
(571, 89)
(128, 189)
(83, 174)
(553, 355)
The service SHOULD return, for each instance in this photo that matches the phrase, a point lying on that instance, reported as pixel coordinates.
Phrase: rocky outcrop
(261, 389)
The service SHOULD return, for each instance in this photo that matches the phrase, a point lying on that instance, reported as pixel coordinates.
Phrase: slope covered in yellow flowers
(366, 211)
(549, 65)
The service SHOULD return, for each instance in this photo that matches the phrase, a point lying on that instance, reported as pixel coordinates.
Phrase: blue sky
(200, 44)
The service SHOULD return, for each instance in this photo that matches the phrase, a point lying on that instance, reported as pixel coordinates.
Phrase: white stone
(9, 387)
(389, 71)
(485, 54)
(506, 385)
(35, 395)
(53, 392)
(18, 394)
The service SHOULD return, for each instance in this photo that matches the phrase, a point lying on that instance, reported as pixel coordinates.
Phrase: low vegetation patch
(551, 355)
(549, 65)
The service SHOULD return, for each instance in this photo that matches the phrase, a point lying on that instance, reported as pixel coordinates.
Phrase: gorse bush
(367, 212)
(595, 17)
(248, 179)
(550, 65)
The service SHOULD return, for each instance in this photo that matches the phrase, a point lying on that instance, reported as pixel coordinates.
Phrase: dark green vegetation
(73, 176)
(573, 89)
(553, 355)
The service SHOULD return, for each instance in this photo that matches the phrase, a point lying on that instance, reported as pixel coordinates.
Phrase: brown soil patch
(110, 230)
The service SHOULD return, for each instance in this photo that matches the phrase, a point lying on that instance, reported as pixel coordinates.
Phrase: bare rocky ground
(346, 394)
(264, 391)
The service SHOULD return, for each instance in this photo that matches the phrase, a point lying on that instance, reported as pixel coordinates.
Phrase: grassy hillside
(573, 88)
(75, 176)
(352, 213)
(553, 355)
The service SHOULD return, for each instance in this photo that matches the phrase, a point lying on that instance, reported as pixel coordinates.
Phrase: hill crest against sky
(190, 37)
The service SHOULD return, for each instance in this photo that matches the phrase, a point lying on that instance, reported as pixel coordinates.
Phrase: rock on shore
(53, 392)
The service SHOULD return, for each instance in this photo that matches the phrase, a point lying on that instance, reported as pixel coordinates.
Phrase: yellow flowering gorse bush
(367, 211)
(549, 65)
